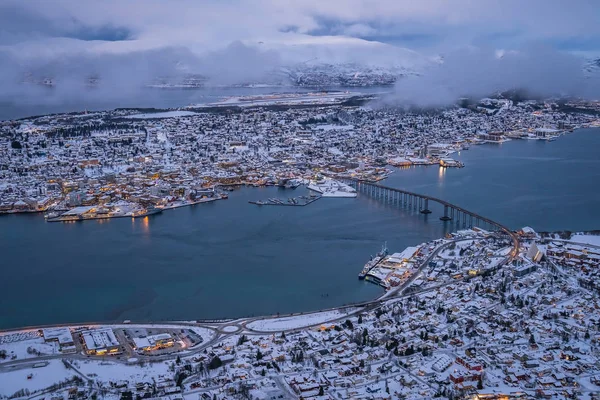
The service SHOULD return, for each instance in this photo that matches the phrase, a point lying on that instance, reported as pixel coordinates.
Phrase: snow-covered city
(299, 199)
(471, 319)
(105, 164)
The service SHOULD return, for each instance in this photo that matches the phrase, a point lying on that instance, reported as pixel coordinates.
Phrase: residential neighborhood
(122, 163)
(474, 322)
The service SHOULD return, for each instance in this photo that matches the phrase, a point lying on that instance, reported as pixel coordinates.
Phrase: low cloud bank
(479, 73)
(122, 75)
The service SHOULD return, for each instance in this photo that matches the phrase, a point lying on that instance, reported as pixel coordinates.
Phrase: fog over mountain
(72, 50)
(476, 72)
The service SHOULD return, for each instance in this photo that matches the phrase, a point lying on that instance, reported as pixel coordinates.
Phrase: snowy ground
(167, 114)
(106, 371)
(54, 372)
(588, 239)
(19, 349)
(331, 127)
(282, 98)
(206, 334)
(297, 321)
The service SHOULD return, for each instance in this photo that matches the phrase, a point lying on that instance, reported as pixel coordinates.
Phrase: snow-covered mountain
(347, 74)
(334, 61)
(592, 67)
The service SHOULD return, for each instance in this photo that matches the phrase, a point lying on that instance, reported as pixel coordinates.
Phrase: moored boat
(372, 263)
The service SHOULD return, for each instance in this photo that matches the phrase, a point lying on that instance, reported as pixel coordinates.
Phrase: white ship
(332, 188)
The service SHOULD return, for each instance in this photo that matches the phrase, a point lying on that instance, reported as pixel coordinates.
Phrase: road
(227, 328)
(224, 329)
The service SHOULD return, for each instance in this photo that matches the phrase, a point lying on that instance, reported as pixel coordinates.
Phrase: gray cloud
(238, 63)
(130, 43)
(120, 74)
(125, 75)
(475, 72)
(19, 23)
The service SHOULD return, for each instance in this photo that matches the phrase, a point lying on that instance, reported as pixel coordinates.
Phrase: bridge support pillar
(425, 209)
(445, 217)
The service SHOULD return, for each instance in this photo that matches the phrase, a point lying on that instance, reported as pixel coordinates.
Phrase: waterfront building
(100, 341)
(60, 335)
(154, 342)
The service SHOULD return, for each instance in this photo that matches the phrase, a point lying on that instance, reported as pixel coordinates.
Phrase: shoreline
(386, 293)
(434, 161)
(240, 184)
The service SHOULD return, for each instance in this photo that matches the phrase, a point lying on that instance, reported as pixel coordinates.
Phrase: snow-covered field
(167, 114)
(113, 371)
(206, 334)
(298, 321)
(19, 349)
(331, 127)
(13, 381)
(587, 239)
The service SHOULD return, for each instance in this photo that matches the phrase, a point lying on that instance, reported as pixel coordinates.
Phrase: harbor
(334, 238)
(299, 201)
(84, 213)
(124, 210)
(331, 188)
(391, 270)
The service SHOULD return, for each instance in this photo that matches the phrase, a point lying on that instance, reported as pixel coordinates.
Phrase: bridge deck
(501, 227)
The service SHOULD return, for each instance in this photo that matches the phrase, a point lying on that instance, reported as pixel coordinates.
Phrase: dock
(300, 201)
(72, 217)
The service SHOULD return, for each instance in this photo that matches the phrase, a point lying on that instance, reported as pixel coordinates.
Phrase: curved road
(227, 328)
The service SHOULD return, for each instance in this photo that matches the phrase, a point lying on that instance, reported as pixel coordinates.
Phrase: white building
(100, 341)
(442, 363)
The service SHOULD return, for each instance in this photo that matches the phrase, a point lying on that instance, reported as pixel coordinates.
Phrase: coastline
(398, 174)
(387, 293)
(443, 162)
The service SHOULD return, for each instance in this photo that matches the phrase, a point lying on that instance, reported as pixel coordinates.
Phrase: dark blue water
(546, 185)
(48, 101)
(231, 258)
(224, 259)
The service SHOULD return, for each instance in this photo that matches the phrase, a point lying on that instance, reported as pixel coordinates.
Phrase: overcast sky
(427, 26)
(135, 40)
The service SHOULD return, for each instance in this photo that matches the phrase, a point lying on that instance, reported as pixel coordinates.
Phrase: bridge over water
(452, 213)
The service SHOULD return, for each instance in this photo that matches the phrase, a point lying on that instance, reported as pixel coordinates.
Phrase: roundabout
(227, 329)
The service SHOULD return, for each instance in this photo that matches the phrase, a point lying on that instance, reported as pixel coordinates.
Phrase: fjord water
(549, 186)
(49, 101)
(231, 258)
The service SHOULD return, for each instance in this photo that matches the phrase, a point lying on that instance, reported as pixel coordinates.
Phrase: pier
(291, 202)
(452, 214)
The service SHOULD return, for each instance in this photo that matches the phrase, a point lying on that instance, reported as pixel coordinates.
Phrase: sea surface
(548, 186)
(231, 258)
(51, 101)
